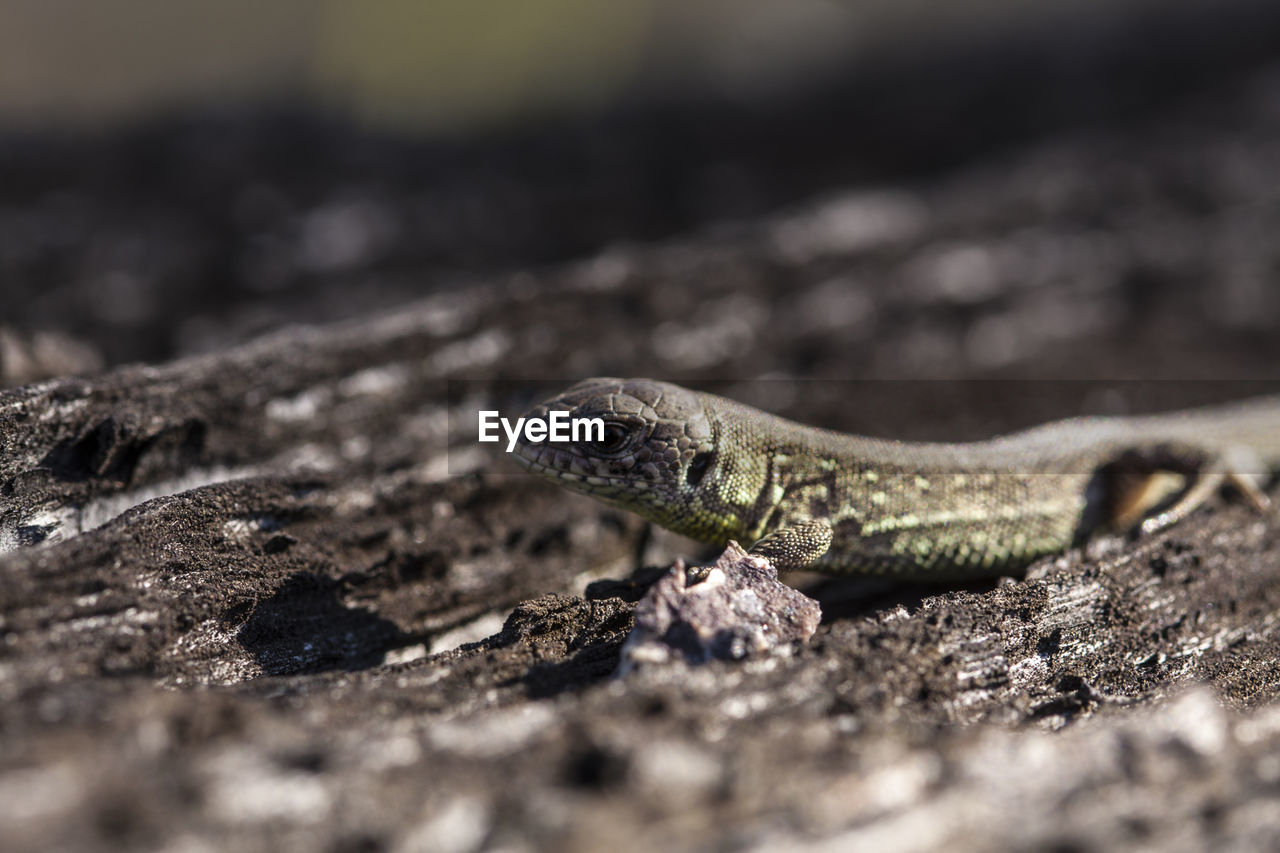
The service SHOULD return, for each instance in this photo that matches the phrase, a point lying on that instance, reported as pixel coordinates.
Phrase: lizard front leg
(796, 546)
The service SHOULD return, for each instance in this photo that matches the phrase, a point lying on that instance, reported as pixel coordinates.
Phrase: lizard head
(652, 457)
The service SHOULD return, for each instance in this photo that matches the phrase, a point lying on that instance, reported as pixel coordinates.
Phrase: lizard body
(714, 469)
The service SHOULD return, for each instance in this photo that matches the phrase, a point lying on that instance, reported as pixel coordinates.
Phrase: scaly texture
(716, 470)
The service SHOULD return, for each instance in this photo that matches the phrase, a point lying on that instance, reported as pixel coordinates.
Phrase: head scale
(658, 449)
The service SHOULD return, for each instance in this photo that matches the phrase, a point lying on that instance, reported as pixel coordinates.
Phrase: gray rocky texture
(731, 609)
(273, 598)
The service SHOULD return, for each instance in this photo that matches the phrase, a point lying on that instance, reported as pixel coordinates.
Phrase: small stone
(738, 608)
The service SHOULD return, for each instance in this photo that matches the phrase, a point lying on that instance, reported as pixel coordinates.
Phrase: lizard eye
(616, 438)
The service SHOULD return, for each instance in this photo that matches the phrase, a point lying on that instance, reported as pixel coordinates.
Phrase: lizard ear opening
(697, 469)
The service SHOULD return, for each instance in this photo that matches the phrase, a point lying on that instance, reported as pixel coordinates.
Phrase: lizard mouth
(616, 487)
(530, 457)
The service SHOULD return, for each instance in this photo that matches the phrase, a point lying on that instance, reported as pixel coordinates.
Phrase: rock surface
(274, 597)
(732, 609)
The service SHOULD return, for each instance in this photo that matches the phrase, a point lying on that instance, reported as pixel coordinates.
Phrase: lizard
(808, 498)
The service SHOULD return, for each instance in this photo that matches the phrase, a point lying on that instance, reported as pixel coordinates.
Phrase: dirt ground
(264, 591)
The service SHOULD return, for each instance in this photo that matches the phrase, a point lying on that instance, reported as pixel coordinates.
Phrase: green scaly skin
(715, 470)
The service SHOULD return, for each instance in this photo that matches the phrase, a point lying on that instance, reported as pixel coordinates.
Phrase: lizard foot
(1211, 477)
(796, 546)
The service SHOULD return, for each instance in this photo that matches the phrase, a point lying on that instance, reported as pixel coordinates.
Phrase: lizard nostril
(697, 469)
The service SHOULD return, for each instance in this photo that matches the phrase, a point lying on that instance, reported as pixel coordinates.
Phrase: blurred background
(453, 67)
(178, 177)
